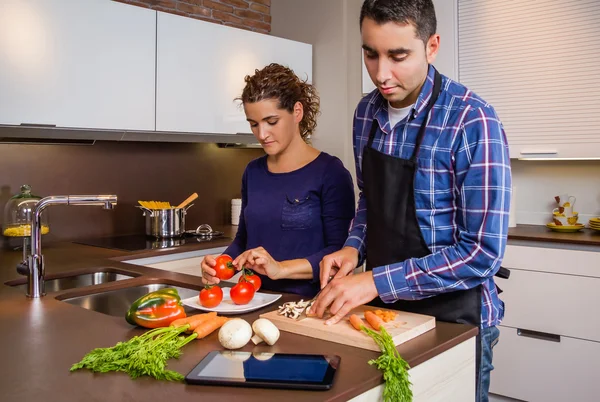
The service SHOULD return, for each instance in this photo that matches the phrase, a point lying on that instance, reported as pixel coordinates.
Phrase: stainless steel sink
(117, 302)
(78, 281)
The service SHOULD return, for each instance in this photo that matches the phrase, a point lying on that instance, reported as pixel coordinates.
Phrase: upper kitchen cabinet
(537, 63)
(446, 61)
(201, 68)
(77, 64)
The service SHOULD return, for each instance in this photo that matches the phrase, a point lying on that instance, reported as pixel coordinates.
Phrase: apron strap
(372, 132)
(435, 93)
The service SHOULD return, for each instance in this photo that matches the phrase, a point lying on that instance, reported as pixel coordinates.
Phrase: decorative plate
(565, 229)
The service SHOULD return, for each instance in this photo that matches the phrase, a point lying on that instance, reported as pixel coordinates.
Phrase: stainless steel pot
(162, 223)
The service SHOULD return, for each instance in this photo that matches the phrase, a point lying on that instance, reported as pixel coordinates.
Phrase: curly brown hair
(278, 82)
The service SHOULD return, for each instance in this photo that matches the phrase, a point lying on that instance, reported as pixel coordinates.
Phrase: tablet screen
(245, 368)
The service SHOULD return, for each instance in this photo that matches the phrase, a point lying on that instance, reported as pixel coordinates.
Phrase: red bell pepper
(156, 309)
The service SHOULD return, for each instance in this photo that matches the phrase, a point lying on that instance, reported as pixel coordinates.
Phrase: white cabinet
(77, 64)
(538, 370)
(201, 68)
(446, 61)
(548, 104)
(549, 344)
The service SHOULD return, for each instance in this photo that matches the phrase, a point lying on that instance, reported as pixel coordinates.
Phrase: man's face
(397, 60)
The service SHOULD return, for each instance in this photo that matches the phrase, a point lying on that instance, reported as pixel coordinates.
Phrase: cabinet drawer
(539, 370)
(559, 304)
(561, 261)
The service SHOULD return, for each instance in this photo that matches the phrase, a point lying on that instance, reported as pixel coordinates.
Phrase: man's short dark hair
(419, 13)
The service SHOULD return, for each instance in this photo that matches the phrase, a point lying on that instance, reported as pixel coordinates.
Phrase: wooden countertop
(42, 338)
(540, 233)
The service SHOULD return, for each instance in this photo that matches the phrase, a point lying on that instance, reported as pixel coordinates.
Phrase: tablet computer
(265, 370)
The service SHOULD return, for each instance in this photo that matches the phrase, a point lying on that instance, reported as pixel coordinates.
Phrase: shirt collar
(380, 105)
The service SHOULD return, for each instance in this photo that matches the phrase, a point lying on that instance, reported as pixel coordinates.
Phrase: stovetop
(143, 242)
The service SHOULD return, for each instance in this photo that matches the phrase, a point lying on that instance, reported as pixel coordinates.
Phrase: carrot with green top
(375, 321)
(208, 327)
(356, 322)
(194, 320)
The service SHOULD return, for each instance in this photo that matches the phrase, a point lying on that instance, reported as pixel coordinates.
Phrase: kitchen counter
(43, 337)
(540, 233)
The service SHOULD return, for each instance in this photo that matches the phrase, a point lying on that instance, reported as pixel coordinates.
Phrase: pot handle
(188, 207)
(144, 209)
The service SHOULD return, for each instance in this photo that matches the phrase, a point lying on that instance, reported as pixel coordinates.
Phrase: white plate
(229, 307)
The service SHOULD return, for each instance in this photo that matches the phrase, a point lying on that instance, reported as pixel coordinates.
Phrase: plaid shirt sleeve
(358, 229)
(483, 186)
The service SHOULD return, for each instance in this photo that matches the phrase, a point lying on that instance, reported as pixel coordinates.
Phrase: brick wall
(253, 15)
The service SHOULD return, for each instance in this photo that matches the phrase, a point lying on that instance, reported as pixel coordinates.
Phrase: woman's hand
(208, 272)
(260, 261)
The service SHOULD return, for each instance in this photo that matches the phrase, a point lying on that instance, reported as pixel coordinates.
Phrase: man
(433, 168)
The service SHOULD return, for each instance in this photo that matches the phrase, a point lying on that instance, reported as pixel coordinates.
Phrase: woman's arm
(338, 207)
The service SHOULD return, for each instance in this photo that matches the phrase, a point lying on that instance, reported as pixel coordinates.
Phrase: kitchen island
(43, 337)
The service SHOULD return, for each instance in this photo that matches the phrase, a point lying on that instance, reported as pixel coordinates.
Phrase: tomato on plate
(242, 293)
(224, 267)
(249, 276)
(211, 296)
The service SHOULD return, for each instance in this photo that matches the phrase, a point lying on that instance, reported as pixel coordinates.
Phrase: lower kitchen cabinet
(549, 347)
(534, 369)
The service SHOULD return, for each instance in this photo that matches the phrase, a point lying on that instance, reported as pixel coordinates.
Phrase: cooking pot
(169, 222)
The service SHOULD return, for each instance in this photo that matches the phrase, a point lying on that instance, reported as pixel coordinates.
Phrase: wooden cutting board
(404, 327)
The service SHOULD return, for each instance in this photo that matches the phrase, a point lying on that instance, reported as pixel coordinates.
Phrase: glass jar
(18, 214)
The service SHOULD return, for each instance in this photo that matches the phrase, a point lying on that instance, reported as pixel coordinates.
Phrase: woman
(297, 202)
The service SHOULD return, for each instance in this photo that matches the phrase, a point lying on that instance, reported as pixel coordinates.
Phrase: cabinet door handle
(544, 336)
(539, 152)
(38, 125)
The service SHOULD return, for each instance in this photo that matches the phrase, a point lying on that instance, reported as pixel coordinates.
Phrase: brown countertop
(540, 233)
(42, 338)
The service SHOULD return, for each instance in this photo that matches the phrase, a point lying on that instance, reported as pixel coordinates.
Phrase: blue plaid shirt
(462, 194)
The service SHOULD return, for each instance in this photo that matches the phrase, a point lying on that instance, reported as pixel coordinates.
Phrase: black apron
(394, 234)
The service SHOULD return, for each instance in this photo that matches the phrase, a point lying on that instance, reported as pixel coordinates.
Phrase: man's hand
(344, 294)
(338, 264)
(260, 261)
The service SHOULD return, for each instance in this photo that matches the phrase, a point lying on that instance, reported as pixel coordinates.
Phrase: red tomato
(250, 276)
(242, 293)
(211, 296)
(224, 268)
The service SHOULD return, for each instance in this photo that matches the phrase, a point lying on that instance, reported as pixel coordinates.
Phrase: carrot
(356, 322)
(373, 320)
(198, 319)
(180, 322)
(208, 327)
(386, 315)
(194, 320)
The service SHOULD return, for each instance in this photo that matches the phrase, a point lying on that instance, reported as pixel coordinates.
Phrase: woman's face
(275, 128)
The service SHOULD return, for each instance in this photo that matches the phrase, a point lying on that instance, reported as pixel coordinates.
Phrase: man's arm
(482, 168)
(357, 235)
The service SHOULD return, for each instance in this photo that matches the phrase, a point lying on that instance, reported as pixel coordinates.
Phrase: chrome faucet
(35, 260)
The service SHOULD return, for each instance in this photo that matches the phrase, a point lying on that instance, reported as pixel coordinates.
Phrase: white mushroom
(265, 331)
(235, 333)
